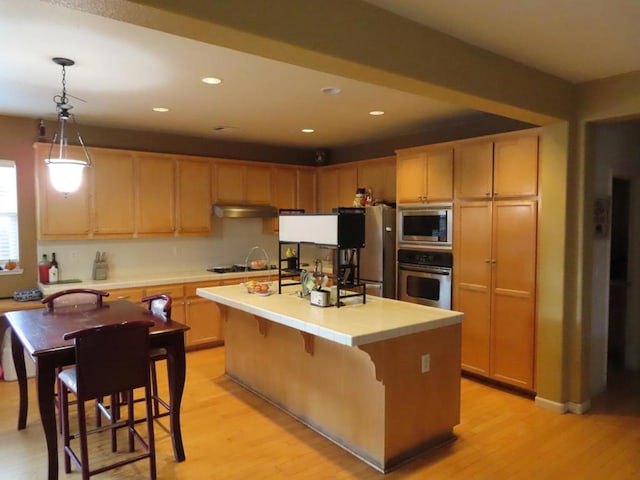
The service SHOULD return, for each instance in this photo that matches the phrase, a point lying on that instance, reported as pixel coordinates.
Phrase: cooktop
(237, 268)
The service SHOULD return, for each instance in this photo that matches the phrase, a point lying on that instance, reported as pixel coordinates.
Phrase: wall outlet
(425, 363)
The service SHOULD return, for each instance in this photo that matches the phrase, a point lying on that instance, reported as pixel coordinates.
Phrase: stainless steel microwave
(425, 225)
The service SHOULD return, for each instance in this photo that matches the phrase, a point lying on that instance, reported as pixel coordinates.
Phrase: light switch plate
(426, 363)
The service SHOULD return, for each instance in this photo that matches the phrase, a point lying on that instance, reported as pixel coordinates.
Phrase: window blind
(9, 244)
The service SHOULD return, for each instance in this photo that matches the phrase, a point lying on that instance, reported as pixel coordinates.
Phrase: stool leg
(154, 387)
(84, 445)
(63, 398)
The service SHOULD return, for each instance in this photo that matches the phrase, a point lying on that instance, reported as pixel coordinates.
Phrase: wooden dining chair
(109, 359)
(160, 306)
(74, 297)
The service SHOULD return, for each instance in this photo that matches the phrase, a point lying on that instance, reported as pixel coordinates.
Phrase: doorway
(618, 274)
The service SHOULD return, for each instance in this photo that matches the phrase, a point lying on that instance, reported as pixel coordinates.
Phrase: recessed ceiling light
(160, 109)
(330, 90)
(308, 130)
(211, 80)
(376, 113)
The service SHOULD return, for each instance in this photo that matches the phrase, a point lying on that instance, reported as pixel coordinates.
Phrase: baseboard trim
(557, 407)
(579, 408)
(550, 405)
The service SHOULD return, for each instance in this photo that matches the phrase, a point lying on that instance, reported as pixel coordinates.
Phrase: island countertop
(352, 325)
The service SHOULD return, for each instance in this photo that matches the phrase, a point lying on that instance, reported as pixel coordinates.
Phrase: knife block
(100, 270)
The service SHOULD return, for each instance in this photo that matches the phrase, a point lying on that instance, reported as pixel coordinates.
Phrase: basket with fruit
(257, 259)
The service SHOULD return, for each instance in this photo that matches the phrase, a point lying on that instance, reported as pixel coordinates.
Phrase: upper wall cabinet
(194, 196)
(241, 182)
(306, 189)
(127, 194)
(425, 174)
(113, 189)
(502, 168)
(59, 214)
(379, 176)
(337, 186)
(155, 195)
(293, 188)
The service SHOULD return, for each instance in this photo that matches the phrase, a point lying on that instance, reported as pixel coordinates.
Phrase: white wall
(231, 241)
(616, 154)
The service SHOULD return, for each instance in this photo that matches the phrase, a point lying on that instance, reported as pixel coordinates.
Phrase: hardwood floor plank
(229, 433)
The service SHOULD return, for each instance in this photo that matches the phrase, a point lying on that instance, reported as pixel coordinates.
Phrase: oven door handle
(407, 267)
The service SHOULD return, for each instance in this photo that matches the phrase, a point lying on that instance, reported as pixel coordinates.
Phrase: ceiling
(122, 70)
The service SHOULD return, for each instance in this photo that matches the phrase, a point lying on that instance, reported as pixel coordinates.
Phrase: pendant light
(65, 171)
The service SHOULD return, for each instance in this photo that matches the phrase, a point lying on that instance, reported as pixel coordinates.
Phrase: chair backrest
(159, 305)
(111, 358)
(74, 297)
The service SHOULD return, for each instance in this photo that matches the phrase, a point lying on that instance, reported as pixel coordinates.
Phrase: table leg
(45, 379)
(17, 352)
(176, 368)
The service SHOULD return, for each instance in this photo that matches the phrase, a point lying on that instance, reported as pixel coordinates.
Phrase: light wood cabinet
(113, 193)
(494, 286)
(306, 189)
(194, 196)
(155, 180)
(379, 176)
(425, 174)
(336, 187)
(497, 168)
(241, 182)
(204, 317)
(60, 215)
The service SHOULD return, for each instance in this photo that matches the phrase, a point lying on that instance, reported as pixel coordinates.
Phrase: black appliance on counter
(238, 268)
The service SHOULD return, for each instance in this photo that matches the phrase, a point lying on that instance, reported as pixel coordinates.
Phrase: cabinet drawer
(174, 291)
(190, 288)
(131, 294)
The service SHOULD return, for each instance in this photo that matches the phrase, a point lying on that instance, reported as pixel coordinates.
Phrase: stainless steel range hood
(244, 211)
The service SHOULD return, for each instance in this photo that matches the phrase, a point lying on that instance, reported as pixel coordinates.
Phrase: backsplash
(229, 243)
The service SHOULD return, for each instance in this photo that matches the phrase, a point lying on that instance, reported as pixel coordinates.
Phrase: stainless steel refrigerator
(377, 258)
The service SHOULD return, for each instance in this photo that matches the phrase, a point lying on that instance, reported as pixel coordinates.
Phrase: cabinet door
(411, 177)
(258, 184)
(284, 191)
(513, 284)
(206, 322)
(284, 187)
(379, 176)
(156, 195)
(439, 175)
(228, 183)
(59, 215)
(347, 185)
(472, 282)
(306, 190)
(194, 196)
(473, 172)
(327, 189)
(515, 167)
(113, 193)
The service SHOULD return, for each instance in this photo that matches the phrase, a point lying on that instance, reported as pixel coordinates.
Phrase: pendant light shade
(65, 171)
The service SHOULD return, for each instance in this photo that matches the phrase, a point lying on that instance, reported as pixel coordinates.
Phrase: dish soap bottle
(53, 269)
(43, 269)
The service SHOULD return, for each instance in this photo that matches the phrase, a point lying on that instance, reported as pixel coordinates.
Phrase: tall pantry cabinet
(495, 230)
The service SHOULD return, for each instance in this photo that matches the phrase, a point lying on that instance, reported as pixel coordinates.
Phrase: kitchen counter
(353, 324)
(381, 379)
(164, 278)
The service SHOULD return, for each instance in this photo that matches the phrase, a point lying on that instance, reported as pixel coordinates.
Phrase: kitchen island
(380, 379)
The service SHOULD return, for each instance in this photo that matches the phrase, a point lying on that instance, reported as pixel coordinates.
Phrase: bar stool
(109, 359)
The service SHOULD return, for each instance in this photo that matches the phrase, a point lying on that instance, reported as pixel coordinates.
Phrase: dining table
(40, 333)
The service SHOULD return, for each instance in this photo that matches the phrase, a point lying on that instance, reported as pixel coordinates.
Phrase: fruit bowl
(258, 287)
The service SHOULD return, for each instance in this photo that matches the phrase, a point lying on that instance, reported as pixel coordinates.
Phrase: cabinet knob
(487, 260)
(493, 260)
(488, 194)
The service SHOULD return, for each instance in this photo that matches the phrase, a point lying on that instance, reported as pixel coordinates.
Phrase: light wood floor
(231, 434)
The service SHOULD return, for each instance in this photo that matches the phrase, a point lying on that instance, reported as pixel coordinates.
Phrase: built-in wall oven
(424, 277)
(425, 225)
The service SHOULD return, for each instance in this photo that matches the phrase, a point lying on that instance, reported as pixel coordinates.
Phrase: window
(9, 245)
